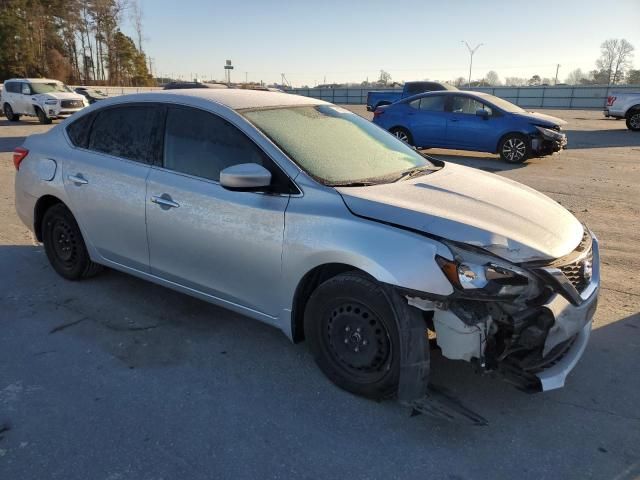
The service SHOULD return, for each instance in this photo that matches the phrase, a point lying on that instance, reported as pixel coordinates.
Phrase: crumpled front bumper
(573, 313)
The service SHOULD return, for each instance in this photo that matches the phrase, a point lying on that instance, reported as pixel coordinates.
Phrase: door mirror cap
(482, 113)
(245, 177)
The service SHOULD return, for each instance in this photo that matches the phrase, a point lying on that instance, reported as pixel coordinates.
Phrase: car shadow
(147, 327)
(8, 144)
(622, 137)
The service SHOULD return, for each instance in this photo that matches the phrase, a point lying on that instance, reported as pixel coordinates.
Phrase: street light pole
(471, 52)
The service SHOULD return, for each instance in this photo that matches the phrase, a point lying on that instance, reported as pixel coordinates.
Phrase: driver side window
(26, 89)
(468, 105)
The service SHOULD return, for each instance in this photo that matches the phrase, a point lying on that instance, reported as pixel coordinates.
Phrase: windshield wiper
(414, 172)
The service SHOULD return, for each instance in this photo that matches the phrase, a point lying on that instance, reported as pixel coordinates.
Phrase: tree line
(75, 41)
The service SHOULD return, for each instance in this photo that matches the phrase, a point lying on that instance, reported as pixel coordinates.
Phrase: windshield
(49, 87)
(336, 146)
(503, 104)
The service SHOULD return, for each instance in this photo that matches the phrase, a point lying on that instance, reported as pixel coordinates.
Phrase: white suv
(39, 97)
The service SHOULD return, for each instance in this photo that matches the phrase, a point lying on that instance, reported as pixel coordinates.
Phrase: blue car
(472, 121)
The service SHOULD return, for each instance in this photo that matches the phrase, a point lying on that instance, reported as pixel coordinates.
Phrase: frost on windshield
(335, 145)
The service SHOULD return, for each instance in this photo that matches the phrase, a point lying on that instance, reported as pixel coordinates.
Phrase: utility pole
(246, 77)
(557, 68)
(471, 52)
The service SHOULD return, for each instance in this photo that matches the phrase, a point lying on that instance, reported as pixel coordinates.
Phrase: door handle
(165, 201)
(454, 119)
(77, 179)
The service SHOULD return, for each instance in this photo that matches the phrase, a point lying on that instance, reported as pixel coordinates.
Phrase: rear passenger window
(79, 130)
(432, 103)
(127, 132)
(202, 144)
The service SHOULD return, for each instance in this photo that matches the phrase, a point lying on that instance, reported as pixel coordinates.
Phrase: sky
(352, 40)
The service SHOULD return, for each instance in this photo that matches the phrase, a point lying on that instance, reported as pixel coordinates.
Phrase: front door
(106, 182)
(227, 244)
(466, 129)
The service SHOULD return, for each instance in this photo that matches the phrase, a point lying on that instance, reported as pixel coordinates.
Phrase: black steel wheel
(8, 112)
(633, 120)
(352, 332)
(514, 148)
(64, 245)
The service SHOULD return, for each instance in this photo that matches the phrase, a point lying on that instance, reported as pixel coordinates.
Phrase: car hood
(467, 205)
(59, 96)
(541, 119)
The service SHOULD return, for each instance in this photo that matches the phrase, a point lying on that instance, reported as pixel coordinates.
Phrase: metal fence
(579, 97)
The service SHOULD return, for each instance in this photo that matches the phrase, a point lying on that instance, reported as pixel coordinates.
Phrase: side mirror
(245, 177)
(482, 113)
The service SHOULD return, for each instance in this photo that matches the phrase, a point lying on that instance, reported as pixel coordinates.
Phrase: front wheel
(514, 148)
(633, 121)
(352, 333)
(42, 117)
(64, 245)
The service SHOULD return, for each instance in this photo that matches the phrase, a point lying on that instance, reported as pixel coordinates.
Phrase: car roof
(233, 98)
(33, 80)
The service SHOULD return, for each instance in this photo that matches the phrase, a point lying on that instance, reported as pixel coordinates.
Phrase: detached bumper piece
(546, 145)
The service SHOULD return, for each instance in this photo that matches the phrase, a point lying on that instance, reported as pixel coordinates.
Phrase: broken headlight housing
(550, 133)
(479, 275)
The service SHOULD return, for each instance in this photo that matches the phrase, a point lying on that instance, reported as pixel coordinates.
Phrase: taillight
(19, 154)
(610, 100)
(378, 112)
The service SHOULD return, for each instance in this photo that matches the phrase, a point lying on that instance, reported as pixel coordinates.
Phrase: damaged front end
(530, 322)
(548, 140)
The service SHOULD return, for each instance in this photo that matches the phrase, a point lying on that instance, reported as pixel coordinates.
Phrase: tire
(42, 117)
(633, 120)
(402, 134)
(514, 148)
(8, 112)
(352, 332)
(64, 245)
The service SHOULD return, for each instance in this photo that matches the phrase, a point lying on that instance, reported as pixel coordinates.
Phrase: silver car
(303, 215)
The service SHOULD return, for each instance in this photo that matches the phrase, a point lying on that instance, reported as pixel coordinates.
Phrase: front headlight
(549, 133)
(51, 102)
(481, 275)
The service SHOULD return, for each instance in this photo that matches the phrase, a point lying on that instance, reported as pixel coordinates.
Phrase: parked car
(39, 97)
(190, 85)
(472, 121)
(92, 95)
(306, 216)
(625, 105)
(377, 99)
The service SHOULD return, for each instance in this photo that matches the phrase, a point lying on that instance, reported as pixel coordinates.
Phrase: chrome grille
(71, 104)
(575, 272)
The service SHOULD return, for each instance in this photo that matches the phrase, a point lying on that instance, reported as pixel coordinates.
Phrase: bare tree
(385, 77)
(492, 78)
(575, 77)
(515, 81)
(136, 19)
(615, 58)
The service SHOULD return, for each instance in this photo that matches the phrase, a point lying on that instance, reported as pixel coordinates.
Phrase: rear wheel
(8, 112)
(65, 246)
(42, 117)
(352, 332)
(633, 120)
(514, 148)
(402, 134)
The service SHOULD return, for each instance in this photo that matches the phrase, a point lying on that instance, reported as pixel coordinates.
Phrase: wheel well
(305, 288)
(43, 204)
(506, 135)
(633, 109)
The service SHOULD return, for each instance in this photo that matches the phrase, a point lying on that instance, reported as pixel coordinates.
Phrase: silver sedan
(303, 215)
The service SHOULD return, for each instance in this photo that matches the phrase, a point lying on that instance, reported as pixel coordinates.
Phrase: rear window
(127, 132)
(80, 129)
(12, 87)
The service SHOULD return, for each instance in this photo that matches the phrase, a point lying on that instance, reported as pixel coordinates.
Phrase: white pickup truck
(624, 105)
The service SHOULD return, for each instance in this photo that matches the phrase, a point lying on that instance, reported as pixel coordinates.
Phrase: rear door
(105, 179)
(428, 121)
(466, 129)
(224, 243)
